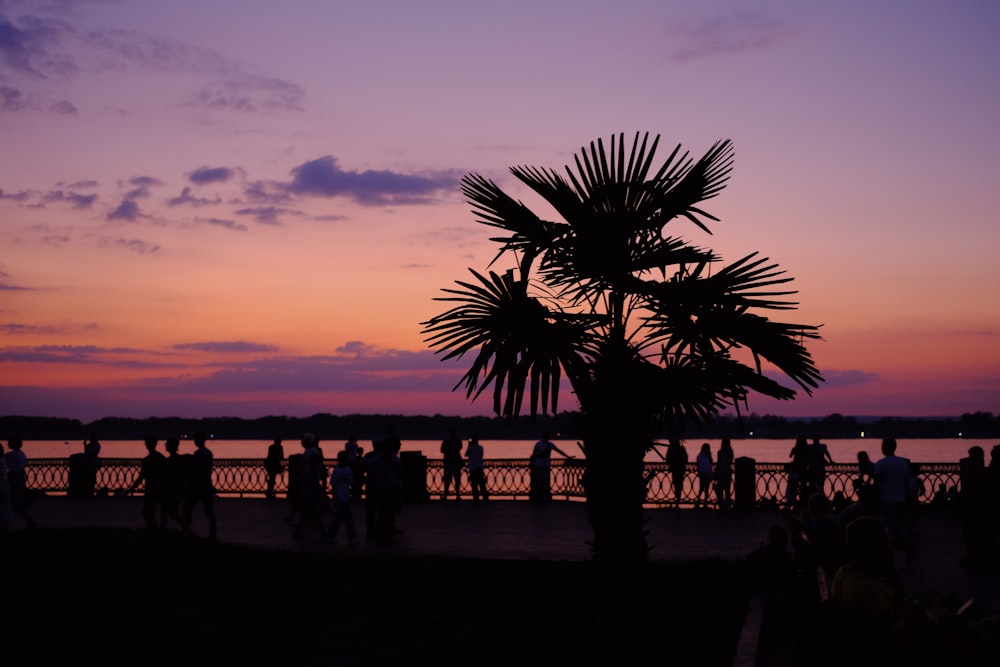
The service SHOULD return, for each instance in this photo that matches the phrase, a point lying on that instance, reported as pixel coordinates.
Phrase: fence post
(745, 491)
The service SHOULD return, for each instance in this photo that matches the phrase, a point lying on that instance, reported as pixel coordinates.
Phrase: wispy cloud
(733, 33)
(227, 346)
(225, 224)
(7, 286)
(137, 245)
(186, 198)
(76, 200)
(266, 215)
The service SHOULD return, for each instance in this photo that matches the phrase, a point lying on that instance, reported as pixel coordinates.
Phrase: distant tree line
(330, 427)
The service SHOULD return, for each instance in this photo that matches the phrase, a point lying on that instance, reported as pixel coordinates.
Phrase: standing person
(974, 507)
(311, 488)
(341, 483)
(540, 463)
(677, 461)
(477, 471)
(17, 480)
(706, 473)
(819, 457)
(5, 512)
(175, 479)
(152, 471)
(866, 469)
(797, 488)
(92, 461)
(354, 454)
(199, 485)
(892, 478)
(451, 452)
(724, 474)
(274, 465)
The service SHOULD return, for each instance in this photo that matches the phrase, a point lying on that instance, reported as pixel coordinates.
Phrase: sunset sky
(246, 208)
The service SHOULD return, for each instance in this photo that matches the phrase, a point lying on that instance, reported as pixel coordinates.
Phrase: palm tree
(650, 331)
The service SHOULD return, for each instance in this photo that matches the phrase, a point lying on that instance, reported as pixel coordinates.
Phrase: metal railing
(505, 478)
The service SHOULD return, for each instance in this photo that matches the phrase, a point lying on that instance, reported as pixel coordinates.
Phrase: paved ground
(520, 530)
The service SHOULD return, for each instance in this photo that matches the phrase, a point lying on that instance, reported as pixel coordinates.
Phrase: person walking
(199, 486)
(477, 471)
(152, 472)
(274, 465)
(341, 483)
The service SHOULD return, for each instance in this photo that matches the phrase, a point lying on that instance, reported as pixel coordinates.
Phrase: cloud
(135, 245)
(227, 346)
(27, 48)
(226, 224)
(18, 197)
(204, 175)
(78, 201)
(128, 211)
(324, 177)
(848, 378)
(266, 215)
(729, 34)
(186, 198)
(120, 357)
(7, 286)
(18, 329)
(249, 93)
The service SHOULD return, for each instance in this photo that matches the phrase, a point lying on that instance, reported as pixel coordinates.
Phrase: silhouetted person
(866, 468)
(354, 454)
(771, 565)
(974, 506)
(451, 453)
(17, 480)
(819, 457)
(5, 514)
(797, 485)
(676, 458)
(384, 473)
(706, 473)
(540, 464)
(92, 462)
(341, 483)
(175, 478)
(153, 474)
(311, 488)
(892, 479)
(724, 474)
(199, 486)
(274, 465)
(477, 470)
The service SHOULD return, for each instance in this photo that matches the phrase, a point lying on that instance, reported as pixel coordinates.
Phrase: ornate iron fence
(505, 478)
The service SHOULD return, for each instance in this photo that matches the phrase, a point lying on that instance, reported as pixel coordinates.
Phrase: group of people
(846, 556)
(175, 484)
(453, 464)
(715, 478)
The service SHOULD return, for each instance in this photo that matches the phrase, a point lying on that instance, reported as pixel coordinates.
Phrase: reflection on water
(945, 450)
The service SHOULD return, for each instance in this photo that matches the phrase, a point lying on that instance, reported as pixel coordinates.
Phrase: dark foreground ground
(117, 597)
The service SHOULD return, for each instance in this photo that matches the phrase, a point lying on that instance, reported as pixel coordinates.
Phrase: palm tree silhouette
(650, 331)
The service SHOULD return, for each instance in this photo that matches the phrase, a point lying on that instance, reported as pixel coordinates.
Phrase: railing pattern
(505, 478)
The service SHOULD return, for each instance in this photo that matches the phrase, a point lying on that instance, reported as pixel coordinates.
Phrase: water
(943, 450)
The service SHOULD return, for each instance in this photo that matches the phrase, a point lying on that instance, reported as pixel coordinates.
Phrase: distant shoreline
(372, 426)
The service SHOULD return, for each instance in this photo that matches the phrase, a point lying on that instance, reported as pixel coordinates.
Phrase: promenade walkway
(520, 530)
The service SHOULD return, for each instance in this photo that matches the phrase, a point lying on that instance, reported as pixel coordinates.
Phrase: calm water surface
(944, 450)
